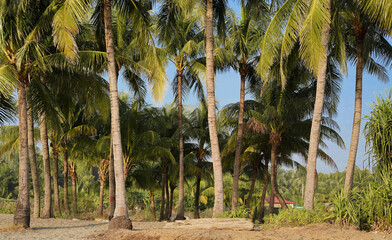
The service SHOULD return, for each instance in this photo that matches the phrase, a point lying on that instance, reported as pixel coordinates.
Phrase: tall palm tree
(369, 41)
(182, 42)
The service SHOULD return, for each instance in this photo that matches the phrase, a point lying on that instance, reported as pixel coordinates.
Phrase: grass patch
(297, 217)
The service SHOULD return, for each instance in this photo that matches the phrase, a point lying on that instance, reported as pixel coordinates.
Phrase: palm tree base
(121, 222)
(22, 217)
(180, 217)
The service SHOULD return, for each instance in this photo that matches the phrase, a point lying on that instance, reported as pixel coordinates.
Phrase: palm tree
(182, 41)
(244, 35)
(369, 40)
(210, 83)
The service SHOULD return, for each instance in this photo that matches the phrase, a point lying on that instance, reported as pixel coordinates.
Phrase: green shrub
(7, 206)
(298, 217)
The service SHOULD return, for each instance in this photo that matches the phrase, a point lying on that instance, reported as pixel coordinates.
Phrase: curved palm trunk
(360, 35)
(121, 211)
(22, 213)
(262, 199)
(316, 122)
(164, 176)
(180, 211)
(47, 212)
(274, 169)
(112, 183)
(152, 204)
(101, 189)
(65, 171)
(237, 159)
(33, 164)
(216, 160)
(252, 186)
(56, 196)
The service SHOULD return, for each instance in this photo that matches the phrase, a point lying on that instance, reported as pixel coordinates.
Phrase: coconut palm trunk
(120, 217)
(33, 164)
(56, 195)
(237, 159)
(163, 183)
(274, 168)
(359, 36)
(101, 189)
(103, 169)
(47, 211)
(152, 204)
(167, 208)
(65, 172)
(262, 199)
(215, 154)
(180, 211)
(316, 121)
(197, 193)
(73, 175)
(252, 185)
(112, 183)
(22, 212)
(172, 188)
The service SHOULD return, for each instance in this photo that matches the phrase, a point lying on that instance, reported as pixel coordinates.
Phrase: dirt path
(76, 229)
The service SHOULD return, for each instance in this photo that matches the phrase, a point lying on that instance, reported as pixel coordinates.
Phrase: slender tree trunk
(197, 194)
(65, 169)
(101, 189)
(112, 183)
(360, 35)
(164, 176)
(316, 121)
(152, 204)
(47, 212)
(237, 158)
(262, 200)
(274, 168)
(172, 187)
(55, 153)
(33, 164)
(180, 211)
(215, 154)
(167, 210)
(271, 206)
(22, 213)
(252, 186)
(121, 211)
(74, 192)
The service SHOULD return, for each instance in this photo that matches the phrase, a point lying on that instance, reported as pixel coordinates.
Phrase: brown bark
(112, 183)
(172, 187)
(316, 121)
(152, 204)
(252, 185)
(262, 199)
(47, 211)
(101, 189)
(22, 213)
(274, 169)
(33, 164)
(359, 35)
(237, 158)
(56, 196)
(180, 211)
(72, 174)
(65, 171)
(197, 193)
(215, 153)
(167, 209)
(121, 201)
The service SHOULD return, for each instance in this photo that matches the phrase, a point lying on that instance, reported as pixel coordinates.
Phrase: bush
(298, 217)
(369, 208)
(7, 206)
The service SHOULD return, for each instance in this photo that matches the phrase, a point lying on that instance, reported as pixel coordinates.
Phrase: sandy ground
(77, 229)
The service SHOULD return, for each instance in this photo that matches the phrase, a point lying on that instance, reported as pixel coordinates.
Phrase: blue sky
(227, 91)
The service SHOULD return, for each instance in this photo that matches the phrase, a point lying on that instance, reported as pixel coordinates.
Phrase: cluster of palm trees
(290, 52)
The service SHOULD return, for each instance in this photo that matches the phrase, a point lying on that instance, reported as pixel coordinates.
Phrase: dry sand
(78, 229)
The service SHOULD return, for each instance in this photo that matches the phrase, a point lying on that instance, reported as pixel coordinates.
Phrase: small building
(277, 204)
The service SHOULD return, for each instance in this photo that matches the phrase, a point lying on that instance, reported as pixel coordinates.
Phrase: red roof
(276, 201)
